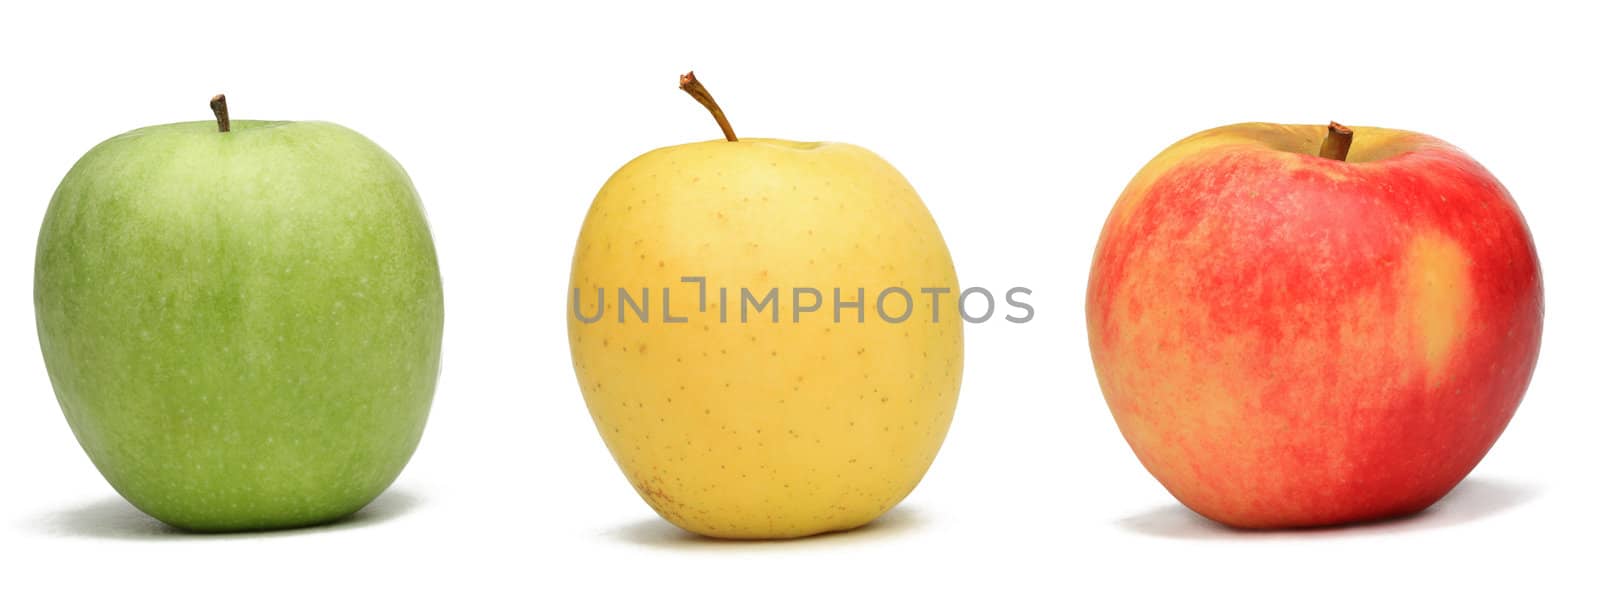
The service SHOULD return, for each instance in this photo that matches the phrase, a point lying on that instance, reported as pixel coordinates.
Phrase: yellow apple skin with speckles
(739, 426)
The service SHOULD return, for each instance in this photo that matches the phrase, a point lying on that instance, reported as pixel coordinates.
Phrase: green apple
(241, 319)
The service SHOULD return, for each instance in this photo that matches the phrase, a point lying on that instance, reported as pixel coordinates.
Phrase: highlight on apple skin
(762, 429)
(1290, 337)
(241, 319)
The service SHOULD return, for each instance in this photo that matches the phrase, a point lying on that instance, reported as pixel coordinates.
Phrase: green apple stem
(1337, 145)
(219, 107)
(688, 83)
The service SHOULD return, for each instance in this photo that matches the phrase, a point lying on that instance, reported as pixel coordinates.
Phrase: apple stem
(1337, 145)
(219, 107)
(688, 83)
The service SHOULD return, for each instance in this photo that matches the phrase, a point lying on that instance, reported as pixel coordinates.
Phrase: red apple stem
(1337, 145)
(219, 107)
(688, 83)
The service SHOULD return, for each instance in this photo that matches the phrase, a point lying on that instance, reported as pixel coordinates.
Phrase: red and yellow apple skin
(1288, 341)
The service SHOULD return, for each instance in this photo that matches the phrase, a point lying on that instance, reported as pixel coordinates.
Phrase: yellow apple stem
(219, 107)
(688, 83)
(1337, 145)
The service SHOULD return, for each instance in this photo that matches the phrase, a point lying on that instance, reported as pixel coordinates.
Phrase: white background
(1019, 125)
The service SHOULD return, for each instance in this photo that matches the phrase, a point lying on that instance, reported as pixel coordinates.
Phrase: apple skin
(1289, 341)
(761, 429)
(243, 329)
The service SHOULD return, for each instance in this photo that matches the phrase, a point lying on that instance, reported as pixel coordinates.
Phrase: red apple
(1290, 340)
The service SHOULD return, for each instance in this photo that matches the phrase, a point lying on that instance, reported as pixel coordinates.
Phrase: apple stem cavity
(219, 107)
(1337, 145)
(688, 83)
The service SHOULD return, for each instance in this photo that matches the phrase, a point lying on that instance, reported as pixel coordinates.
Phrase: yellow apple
(741, 421)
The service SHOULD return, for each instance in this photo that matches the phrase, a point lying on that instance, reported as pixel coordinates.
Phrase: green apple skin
(243, 329)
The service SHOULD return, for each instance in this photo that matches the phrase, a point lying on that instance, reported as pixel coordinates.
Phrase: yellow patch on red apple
(1440, 295)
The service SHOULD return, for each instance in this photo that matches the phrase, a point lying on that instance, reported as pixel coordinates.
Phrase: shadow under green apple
(114, 518)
